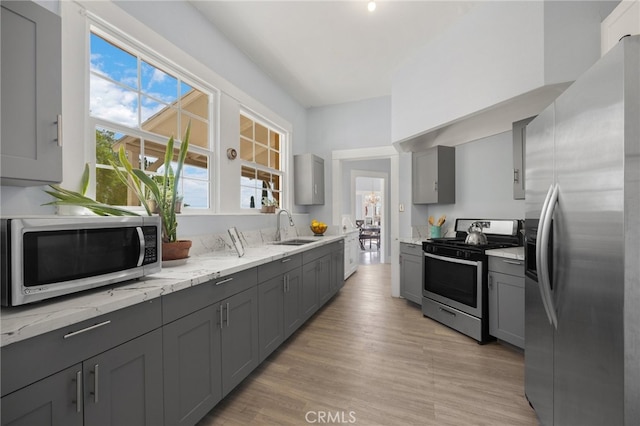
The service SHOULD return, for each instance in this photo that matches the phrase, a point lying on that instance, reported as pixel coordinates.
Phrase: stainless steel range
(455, 276)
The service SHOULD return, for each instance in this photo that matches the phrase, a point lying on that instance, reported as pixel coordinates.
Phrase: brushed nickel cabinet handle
(96, 382)
(227, 314)
(224, 281)
(78, 400)
(288, 259)
(59, 123)
(84, 330)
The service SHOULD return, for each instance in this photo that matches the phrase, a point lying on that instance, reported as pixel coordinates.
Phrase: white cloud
(113, 103)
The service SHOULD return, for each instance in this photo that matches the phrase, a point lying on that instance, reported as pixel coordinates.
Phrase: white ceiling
(331, 52)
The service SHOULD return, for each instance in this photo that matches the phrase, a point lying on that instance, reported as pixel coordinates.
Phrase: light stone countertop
(509, 253)
(23, 322)
(412, 240)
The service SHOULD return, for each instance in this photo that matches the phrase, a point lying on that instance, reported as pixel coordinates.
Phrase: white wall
(354, 125)
(484, 176)
(498, 51)
(176, 31)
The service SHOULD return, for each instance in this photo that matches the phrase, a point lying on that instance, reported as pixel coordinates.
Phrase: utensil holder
(435, 231)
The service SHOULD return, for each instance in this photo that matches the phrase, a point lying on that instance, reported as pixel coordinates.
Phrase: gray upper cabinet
(433, 176)
(519, 143)
(411, 272)
(31, 95)
(308, 179)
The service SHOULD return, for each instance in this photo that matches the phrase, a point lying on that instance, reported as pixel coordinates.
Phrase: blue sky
(146, 95)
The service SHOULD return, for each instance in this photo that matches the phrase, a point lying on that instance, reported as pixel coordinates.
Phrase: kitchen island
(181, 339)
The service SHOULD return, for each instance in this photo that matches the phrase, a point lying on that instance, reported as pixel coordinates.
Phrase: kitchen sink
(293, 242)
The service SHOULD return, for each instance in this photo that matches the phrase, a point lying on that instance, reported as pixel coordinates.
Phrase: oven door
(454, 282)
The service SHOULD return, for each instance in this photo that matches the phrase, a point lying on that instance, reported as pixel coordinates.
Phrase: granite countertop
(412, 240)
(23, 322)
(509, 253)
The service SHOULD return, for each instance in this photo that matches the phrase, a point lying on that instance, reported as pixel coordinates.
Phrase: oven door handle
(452, 259)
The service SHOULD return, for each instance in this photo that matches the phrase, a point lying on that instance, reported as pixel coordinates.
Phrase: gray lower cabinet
(309, 292)
(31, 94)
(51, 401)
(279, 314)
(506, 300)
(240, 353)
(192, 366)
(122, 386)
(324, 278)
(337, 267)
(411, 272)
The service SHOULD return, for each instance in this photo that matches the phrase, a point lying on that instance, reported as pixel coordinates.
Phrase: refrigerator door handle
(539, 252)
(543, 243)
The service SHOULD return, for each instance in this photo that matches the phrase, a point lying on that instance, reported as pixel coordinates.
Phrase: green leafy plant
(163, 189)
(67, 197)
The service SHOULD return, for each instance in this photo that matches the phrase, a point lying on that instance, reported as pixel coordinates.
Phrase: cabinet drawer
(184, 302)
(33, 359)
(506, 266)
(279, 267)
(415, 249)
(317, 253)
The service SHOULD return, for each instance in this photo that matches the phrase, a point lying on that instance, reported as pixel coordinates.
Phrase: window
(138, 103)
(262, 171)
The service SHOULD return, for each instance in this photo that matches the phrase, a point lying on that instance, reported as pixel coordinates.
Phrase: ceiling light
(371, 6)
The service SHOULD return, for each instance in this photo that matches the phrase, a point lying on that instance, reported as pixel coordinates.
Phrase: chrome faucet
(278, 237)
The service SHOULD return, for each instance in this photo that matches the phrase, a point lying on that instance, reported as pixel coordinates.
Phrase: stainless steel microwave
(49, 256)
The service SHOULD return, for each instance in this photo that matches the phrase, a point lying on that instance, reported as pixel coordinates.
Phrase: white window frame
(285, 197)
(123, 40)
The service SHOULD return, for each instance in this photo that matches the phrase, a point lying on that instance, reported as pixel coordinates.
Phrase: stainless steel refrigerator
(582, 245)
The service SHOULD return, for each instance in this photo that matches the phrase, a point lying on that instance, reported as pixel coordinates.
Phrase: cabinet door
(309, 289)
(519, 141)
(271, 314)
(123, 386)
(433, 176)
(506, 308)
(411, 277)
(324, 279)
(337, 268)
(51, 401)
(292, 302)
(192, 366)
(318, 180)
(31, 94)
(424, 180)
(240, 354)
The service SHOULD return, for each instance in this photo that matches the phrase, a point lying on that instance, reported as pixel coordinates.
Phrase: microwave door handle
(544, 261)
(539, 253)
(141, 245)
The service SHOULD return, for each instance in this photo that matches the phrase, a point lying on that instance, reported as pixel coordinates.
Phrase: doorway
(368, 208)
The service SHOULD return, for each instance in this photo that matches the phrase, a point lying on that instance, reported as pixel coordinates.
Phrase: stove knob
(458, 253)
(467, 254)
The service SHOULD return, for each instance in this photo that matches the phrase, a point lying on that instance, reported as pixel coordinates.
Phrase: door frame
(373, 153)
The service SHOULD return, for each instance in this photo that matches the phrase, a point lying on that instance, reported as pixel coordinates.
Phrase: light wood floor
(369, 359)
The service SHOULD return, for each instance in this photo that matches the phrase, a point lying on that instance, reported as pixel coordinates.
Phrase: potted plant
(268, 205)
(163, 191)
(159, 190)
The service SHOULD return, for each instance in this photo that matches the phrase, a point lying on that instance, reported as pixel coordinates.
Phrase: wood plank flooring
(369, 359)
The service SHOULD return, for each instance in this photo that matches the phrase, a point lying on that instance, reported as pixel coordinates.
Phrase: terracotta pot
(176, 250)
(268, 209)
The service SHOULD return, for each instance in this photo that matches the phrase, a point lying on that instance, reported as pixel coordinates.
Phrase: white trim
(391, 153)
